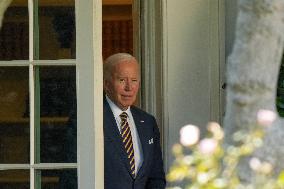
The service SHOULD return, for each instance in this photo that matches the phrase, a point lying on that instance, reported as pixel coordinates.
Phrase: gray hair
(114, 59)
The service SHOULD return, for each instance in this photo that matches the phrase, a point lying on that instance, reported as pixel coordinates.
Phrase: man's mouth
(126, 96)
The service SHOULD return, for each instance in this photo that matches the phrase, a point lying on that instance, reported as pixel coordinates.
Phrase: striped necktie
(127, 141)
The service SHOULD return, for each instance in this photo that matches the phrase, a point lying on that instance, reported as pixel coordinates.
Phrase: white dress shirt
(138, 154)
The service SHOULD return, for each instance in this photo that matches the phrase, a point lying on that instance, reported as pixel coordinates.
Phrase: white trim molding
(153, 50)
(90, 94)
(152, 58)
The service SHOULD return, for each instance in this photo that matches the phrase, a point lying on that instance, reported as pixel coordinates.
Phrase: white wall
(191, 64)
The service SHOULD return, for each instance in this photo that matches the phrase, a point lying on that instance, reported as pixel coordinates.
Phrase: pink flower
(189, 135)
(265, 117)
(255, 164)
(207, 146)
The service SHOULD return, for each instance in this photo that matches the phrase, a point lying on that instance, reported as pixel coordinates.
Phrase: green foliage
(215, 166)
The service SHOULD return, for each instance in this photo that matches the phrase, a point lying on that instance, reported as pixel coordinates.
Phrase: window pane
(14, 179)
(58, 130)
(14, 115)
(59, 179)
(56, 29)
(14, 41)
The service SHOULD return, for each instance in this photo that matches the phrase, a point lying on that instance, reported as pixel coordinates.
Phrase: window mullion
(31, 29)
(35, 97)
(31, 91)
(32, 128)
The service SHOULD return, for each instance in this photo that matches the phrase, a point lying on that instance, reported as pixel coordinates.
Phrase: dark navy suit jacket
(117, 170)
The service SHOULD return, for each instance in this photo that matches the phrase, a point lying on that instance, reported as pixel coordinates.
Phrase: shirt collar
(115, 109)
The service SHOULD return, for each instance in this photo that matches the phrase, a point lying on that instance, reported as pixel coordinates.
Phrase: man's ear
(105, 85)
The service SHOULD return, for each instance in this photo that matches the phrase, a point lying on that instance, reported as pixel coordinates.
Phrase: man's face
(124, 83)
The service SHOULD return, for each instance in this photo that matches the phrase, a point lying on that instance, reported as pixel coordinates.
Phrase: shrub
(208, 164)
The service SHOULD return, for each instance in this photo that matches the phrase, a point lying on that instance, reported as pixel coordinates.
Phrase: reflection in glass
(59, 179)
(58, 130)
(14, 41)
(14, 119)
(56, 29)
(14, 179)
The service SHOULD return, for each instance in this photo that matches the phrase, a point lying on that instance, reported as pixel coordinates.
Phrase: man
(132, 152)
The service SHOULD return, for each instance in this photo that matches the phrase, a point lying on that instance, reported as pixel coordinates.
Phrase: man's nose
(127, 85)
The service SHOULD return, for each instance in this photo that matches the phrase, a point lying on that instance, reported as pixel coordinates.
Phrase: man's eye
(121, 80)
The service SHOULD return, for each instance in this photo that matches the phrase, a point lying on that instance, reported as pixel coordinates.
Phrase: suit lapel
(111, 133)
(139, 123)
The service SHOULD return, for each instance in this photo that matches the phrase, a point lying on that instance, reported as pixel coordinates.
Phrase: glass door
(43, 55)
(38, 112)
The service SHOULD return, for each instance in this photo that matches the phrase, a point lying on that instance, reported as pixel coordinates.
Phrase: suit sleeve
(156, 179)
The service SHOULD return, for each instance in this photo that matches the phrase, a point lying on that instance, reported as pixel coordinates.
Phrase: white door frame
(90, 94)
(153, 54)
